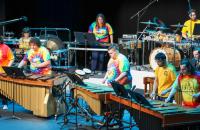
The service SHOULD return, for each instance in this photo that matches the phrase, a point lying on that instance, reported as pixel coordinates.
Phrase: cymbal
(178, 25)
(149, 23)
(150, 31)
(162, 28)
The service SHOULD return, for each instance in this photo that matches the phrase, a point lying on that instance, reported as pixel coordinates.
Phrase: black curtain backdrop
(77, 15)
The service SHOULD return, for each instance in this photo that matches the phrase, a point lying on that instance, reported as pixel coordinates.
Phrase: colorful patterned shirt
(6, 56)
(40, 56)
(165, 78)
(116, 67)
(189, 85)
(101, 34)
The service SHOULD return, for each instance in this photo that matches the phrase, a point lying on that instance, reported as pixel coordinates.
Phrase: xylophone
(160, 117)
(33, 93)
(95, 95)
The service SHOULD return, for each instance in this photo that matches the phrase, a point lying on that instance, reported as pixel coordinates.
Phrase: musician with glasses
(39, 58)
(118, 68)
(6, 59)
(165, 75)
(103, 33)
(188, 83)
(188, 28)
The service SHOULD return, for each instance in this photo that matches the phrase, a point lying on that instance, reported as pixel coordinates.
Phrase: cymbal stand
(143, 44)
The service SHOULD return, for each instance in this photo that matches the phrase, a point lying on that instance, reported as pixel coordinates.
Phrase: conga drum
(169, 53)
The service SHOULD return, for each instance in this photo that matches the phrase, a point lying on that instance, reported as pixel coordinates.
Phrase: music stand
(14, 72)
(119, 89)
(196, 29)
(75, 79)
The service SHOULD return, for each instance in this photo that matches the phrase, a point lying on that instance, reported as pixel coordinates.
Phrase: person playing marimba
(39, 58)
(188, 83)
(6, 59)
(118, 68)
(165, 75)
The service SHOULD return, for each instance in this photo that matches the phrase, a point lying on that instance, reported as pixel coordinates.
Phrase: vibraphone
(95, 95)
(33, 93)
(161, 118)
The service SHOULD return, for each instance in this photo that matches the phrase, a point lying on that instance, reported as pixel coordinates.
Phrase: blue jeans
(97, 59)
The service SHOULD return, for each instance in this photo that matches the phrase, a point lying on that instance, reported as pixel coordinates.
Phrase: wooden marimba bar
(95, 95)
(33, 93)
(161, 118)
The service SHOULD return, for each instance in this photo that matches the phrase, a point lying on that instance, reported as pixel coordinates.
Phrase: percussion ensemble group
(43, 74)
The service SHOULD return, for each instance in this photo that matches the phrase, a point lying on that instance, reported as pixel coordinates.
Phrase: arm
(111, 38)
(11, 62)
(122, 75)
(173, 89)
(155, 87)
(22, 63)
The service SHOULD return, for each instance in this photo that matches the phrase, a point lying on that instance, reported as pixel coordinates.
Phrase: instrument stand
(13, 101)
(75, 105)
(139, 14)
(114, 116)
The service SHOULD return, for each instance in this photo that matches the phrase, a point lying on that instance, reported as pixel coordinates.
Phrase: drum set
(171, 44)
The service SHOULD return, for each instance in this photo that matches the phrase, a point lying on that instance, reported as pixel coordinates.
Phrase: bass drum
(52, 42)
(169, 53)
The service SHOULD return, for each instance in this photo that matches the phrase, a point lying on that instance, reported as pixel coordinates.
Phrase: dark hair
(187, 63)
(103, 17)
(1, 39)
(160, 56)
(36, 41)
(113, 46)
(26, 30)
(191, 11)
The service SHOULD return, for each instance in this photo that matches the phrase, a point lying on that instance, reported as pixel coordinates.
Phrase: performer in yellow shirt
(165, 75)
(24, 40)
(188, 28)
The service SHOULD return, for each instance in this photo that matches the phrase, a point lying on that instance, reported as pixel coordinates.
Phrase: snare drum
(169, 53)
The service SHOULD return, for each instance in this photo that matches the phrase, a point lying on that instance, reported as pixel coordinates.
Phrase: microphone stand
(139, 15)
(13, 20)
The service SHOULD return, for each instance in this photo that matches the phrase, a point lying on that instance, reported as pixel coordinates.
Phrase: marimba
(148, 88)
(161, 118)
(33, 93)
(95, 95)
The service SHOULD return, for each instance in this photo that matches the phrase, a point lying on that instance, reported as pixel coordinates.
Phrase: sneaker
(5, 107)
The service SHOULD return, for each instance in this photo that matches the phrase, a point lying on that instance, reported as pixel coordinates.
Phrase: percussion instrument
(162, 28)
(169, 53)
(149, 23)
(34, 93)
(52, 42)
(160, 117)
(178, 25)
(95, 95)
